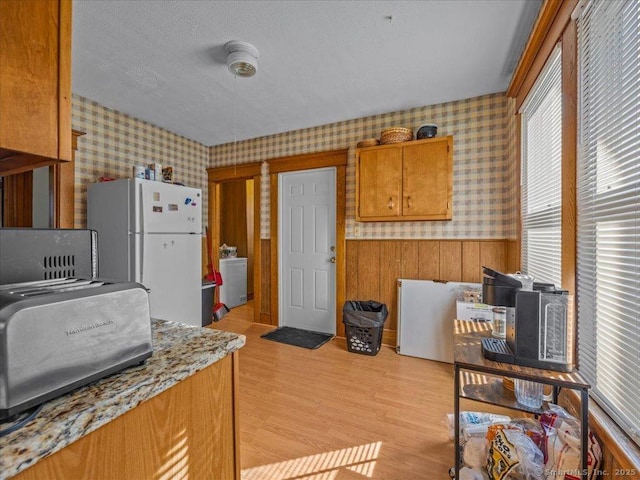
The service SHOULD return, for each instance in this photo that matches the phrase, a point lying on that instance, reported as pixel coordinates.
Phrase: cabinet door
(35, 83)
(427, 180)
(379, 184)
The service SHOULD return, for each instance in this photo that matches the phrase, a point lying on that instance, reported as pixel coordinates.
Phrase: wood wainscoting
(373, 267)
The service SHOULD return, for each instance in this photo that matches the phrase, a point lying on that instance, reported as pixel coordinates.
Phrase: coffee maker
(539, 327)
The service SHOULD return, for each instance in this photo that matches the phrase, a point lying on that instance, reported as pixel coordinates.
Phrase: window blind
(608, 205)
(541, 180)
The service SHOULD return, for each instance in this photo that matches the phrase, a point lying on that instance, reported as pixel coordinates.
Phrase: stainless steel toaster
(28, 254)
(57, 335)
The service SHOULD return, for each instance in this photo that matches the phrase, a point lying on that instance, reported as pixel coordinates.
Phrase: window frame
(555, 24)
(599, 193)
(539, 218)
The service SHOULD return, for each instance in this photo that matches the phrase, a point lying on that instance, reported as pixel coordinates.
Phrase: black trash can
(363, 322)
(207, 302)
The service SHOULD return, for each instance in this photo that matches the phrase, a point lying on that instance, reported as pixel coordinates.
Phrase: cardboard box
(167, 174)
(155, 172)
(479, 312)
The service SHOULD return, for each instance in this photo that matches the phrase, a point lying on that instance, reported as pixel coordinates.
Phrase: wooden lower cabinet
(189, 431)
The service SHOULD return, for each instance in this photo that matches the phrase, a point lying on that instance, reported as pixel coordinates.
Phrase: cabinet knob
(390, 203)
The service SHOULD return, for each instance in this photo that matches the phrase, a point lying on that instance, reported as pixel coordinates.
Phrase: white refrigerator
(150, 232)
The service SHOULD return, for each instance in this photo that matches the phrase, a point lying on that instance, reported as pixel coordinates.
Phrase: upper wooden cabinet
(35, 84)
(405, 181)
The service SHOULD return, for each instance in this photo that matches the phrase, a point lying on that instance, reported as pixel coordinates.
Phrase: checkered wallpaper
(115, 142)
(483, 151)
(484, 184)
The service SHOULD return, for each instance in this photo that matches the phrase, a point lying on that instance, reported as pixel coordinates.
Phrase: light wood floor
(331, 414)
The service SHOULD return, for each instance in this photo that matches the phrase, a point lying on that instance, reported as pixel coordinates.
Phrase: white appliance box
(426, 314)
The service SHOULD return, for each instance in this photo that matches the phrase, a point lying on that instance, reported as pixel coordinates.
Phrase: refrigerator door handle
(141, 257)
(141, 213)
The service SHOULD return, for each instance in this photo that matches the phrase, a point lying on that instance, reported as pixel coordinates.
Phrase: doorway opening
(234, 219)
(237, 224)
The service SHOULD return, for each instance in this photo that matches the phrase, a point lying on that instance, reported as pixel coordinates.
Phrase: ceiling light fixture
(242, 58)
(242, 61)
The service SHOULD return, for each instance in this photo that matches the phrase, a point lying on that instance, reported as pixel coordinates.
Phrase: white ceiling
(320, 61)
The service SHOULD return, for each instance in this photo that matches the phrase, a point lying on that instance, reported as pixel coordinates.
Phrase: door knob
(332, 259)
(333, 248)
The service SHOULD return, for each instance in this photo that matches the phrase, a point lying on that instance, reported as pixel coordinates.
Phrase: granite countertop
(178, 352)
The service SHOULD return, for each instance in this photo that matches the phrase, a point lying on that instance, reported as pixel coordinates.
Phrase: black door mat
(298, 337)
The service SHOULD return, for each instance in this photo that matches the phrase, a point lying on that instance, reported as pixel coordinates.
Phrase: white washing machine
(234, 281)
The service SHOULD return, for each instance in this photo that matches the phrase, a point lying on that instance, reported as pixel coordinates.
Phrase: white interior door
(307, 219)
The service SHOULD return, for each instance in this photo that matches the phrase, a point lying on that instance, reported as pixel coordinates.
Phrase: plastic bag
(467, 473)
(474, 454)
(563, 446)
(534, 430)
(514, 456)
(468, 419)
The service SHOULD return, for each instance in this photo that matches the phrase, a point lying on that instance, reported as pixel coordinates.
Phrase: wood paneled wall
(233, 223)
(18, 200)
(513, 255)
(374, 266)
